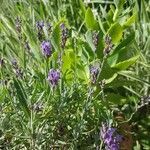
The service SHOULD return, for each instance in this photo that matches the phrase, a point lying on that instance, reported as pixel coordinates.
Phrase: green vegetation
(70, 67)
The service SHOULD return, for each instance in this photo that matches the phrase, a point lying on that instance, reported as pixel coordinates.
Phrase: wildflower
(110, 137)
(40, 25)
(37, 107)
(53, 77)
(49, 27)
(1, 62)
(64, 35)
(18, 24)
(18, 27)
(94, 70)
(18, 71)
(102, 83)
(108, 40)
(27, 46)
(107, 49)
(109, 45)
(14, 63)
(4, 82)
(95, 39)
(46, 48)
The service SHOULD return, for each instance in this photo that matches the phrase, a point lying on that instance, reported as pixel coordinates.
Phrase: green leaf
(110, 16)
(22, 96)
(115, 98)
(33, 42)
(130, 21)
(3, 93)
(8, 25)
(89, 39)
(119, 3)
(101, 45)
(83, 73)
(82, 7)
(125, 42)
(107, 73)
(121, 52)
(115, 32)
(119, 82)
(111, 79)
(132, 75)
(56, 37)
(68, 60)
(89, 46)
(112, 60)
(90, 21)
(125, 64)
(102, 25)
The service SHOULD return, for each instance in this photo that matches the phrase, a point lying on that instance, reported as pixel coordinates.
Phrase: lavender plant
(85, 59)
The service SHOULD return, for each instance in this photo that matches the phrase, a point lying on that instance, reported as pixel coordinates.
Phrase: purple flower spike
(53, 77)
(18, 24)
(94, 73)
(110, 137)
(49, 26)
(40, 25)
(95, 39)
(14, 64)
(46, 48)
(64, 33)
(18, 71)
(1, 62)
(109, 45)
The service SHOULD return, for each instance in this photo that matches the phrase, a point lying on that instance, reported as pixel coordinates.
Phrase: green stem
(32, 131)
(101, 145)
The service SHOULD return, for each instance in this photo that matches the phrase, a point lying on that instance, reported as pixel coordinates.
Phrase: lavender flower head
(110, 137)
(37, 107)
(94, 70)
(53, 77)
(1, 62)
(40, 25)
(109, 45)
(46, 48)
(14, 64)
(49, 26)
(27, 46)
(108, 40)
(95, 39)
(18, 24)
(64, 31)
(18, 71)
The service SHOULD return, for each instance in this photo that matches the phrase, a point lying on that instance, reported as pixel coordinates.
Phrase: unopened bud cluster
(17, 70)
(18, 27)
(109, 45)
(94, 71)
(64, 34)
(18, 24)
(40, 26)
(1, 62)
(95, 39)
